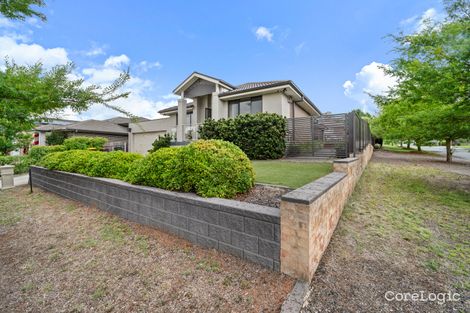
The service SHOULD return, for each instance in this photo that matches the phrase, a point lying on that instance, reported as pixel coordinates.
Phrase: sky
(332, 50)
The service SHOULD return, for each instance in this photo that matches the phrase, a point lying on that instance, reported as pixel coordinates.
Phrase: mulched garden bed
(264, 195)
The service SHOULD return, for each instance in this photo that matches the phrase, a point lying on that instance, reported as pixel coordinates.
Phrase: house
(114, 129)
(204, 97)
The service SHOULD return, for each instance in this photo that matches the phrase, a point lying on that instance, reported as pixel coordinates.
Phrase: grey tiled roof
(92, 126)
(175, 107)
(126, 120)
(253, 85)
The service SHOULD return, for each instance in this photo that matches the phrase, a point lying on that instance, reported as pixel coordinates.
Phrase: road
(459, 153)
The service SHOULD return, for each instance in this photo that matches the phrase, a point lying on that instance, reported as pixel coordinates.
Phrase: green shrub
(161, 142)
(83, 143)
(21, 163)
(260, 136)
(211, 168)
(114, 164)
(92, 163)
(219, 169)
(56, 138)
(36, 153)
(165, 168)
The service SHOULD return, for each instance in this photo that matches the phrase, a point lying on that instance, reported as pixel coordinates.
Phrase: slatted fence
(327, 136)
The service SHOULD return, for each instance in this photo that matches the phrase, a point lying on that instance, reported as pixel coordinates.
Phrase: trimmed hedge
(261, 135)
(161, 142)
(114, 164)
(83, 143)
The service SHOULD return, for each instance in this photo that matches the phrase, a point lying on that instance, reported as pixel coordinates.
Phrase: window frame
(237, 103)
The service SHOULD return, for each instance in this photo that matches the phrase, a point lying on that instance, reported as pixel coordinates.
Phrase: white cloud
(145, 65)
(264, 33)
(370, 80)
(6, 23)
(95, 51)
(298, 49)
(418, 23)
(23, 53)
(117, 61)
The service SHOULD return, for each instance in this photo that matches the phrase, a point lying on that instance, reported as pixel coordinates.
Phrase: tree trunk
(408, 143)
(419, 147)
(448, 150)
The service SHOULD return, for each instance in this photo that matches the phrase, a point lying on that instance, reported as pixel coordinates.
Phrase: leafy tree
(432, 97)
(31, 93)
(56, 138)
(20, 9)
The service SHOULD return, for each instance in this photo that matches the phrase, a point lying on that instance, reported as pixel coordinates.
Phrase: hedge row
(114, 164)
(75, 143)
(261, 135)
(211, 168)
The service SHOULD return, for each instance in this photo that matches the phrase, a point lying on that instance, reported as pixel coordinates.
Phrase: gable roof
(90, 126)
(175, 108)
(195, 75)
(126, 120)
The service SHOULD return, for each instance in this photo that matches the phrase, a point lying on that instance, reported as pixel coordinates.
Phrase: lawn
(291, 174)
(399, 149)
(57, 255)
(405, 229)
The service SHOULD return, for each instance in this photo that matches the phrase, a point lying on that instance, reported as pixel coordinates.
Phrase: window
(245, 106)
(208, 113)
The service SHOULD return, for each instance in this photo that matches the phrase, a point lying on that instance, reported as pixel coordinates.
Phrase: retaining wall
(309, 215)
(246, 230)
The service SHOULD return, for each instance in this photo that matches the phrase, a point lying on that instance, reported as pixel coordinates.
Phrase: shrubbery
(56, 138)
(161, 142)
(82, 143)
(211, 168)
(260, 136)
(92, 163)
(21, 163)
(38, 152)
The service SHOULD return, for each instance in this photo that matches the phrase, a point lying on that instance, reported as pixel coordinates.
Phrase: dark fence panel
(326, 136)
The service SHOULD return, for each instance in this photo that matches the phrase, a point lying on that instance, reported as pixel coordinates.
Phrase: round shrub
(165, 168)
(38, 152)
(218, 168)
(83, 143)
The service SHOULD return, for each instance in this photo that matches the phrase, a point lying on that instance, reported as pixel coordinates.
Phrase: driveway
(459, 153)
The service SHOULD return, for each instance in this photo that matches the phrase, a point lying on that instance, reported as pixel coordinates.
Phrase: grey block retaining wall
(246, 230)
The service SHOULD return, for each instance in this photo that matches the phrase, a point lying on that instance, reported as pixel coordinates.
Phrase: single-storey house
(204, 97)
(114, 129)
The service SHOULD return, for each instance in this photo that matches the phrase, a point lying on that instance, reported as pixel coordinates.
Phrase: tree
(56, 138)
(20, 9)
(31, 93)
(432, 97)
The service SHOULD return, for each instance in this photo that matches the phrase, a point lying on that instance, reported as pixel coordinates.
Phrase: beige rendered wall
(143, 134)
(272, 103)
(298, 112)
(307, 225)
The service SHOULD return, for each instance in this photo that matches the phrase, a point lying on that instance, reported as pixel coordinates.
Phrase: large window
(245, 106)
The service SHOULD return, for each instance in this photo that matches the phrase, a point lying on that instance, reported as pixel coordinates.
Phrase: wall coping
(346, 160)
(256, 211)
(312, 191)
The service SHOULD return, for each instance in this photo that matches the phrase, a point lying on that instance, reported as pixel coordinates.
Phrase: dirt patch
(264, 195)
(59, 255)
(404, 230)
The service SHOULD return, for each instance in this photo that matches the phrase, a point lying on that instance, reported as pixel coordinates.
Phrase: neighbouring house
(204, 97)
(115, 129)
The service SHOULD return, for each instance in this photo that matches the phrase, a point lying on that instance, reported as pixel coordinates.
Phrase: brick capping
(246, 230)
(312, 191)
(347, 160)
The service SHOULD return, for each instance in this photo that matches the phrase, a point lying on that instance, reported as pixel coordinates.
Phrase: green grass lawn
(405, 150)
(288, 173)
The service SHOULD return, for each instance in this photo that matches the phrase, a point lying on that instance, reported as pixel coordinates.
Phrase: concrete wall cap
(347, 160)
(312, 191)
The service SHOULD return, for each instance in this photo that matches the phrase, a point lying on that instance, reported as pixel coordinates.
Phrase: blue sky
(330, 49)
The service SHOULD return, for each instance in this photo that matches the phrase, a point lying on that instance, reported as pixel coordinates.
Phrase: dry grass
(58, 255)
(405, 229)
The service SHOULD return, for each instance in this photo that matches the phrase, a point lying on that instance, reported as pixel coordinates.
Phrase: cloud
(370, 80)
(23, 53)
(117, 61)
(95, 51)
(298, 49)
(145, 65)
(6, 23)
(418, 23)
(264, 33)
